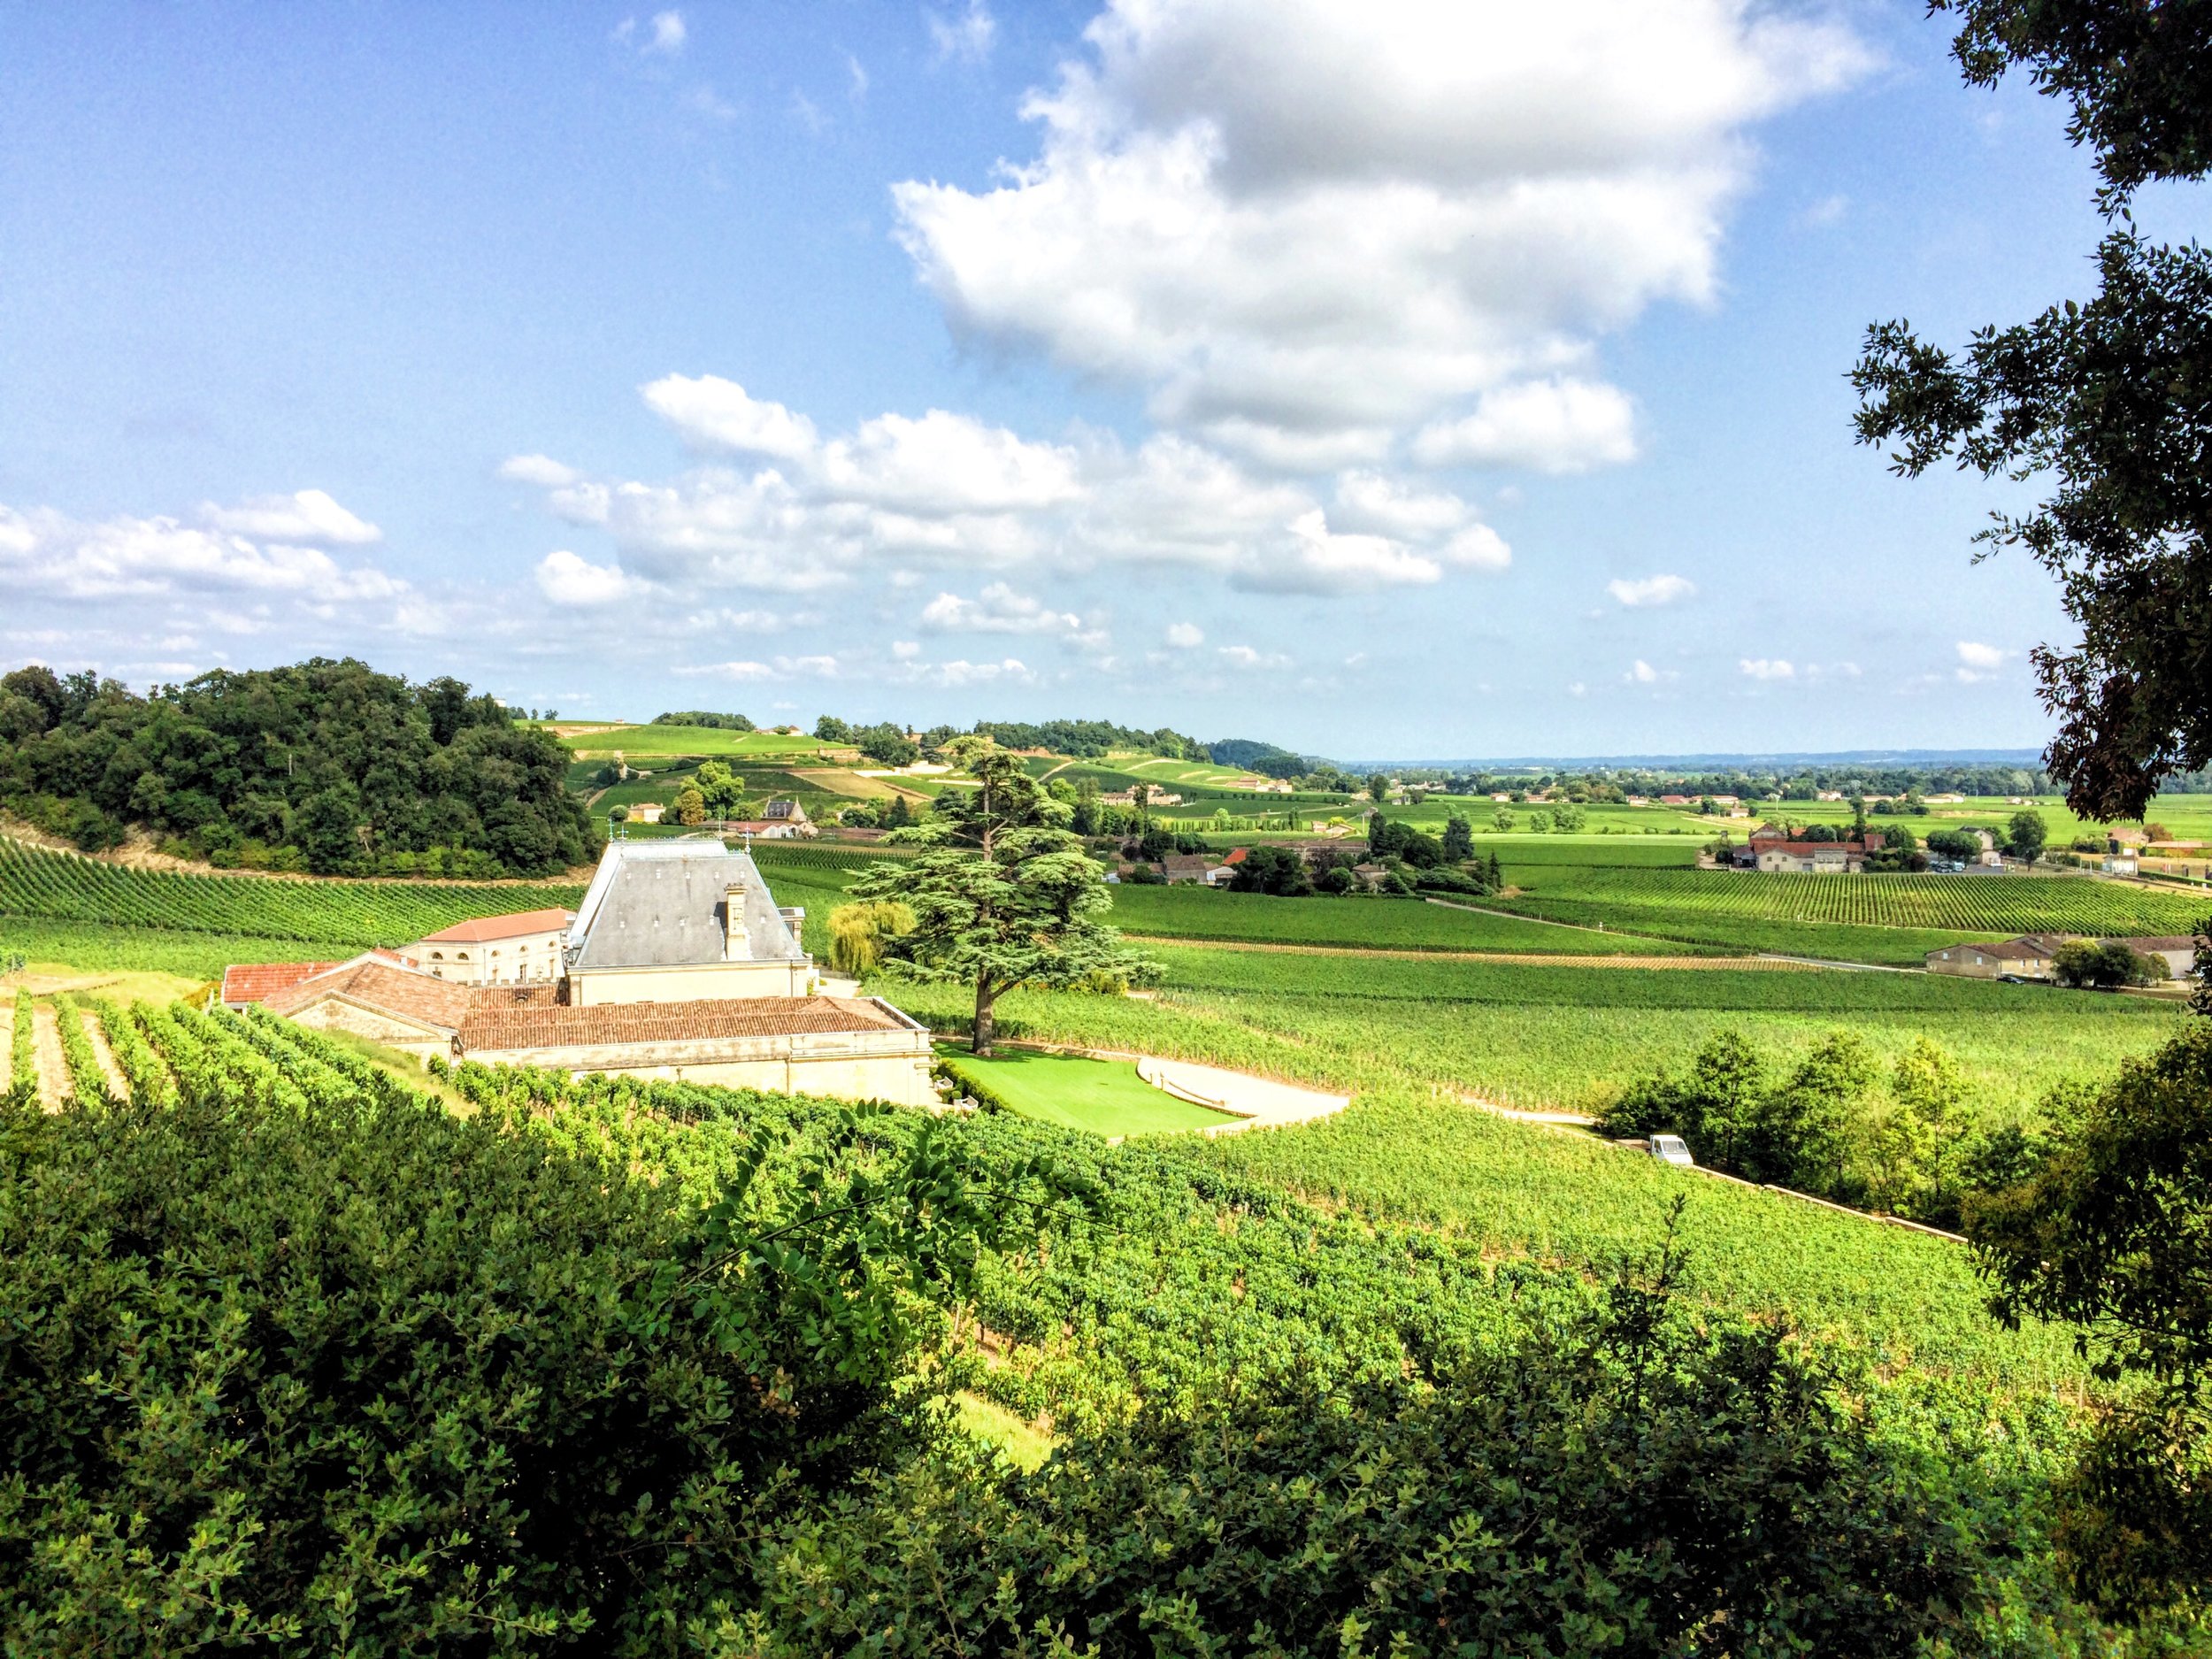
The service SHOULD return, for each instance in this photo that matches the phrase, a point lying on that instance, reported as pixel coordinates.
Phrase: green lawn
(1105, 1097)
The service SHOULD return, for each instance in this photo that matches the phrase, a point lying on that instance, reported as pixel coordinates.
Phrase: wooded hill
(323, 766)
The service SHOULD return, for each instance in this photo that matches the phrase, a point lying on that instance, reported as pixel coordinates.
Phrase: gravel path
(1256, 1101)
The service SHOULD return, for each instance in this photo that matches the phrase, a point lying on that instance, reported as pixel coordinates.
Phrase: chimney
(735, 947)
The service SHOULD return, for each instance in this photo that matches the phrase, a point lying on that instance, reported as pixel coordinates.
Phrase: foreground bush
(374, 1380)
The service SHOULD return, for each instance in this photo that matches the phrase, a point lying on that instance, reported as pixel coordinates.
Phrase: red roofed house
(680, 965)
(1772, 851)
(524, 948)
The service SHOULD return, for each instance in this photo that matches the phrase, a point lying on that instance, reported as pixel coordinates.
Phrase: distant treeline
(1085, 739)
(705, 717)
(1805, 785)
(324, 766)
(1252, 756)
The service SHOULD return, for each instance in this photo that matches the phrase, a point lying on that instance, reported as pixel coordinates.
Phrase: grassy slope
(636, 740)
(1101, 1097)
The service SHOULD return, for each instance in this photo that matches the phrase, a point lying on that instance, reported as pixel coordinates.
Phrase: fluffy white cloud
(568, 579)
(945, 490)
(1978, 662)
(712, 413)
(307, 515)
(997, 610)
(1643, 673)
(47, 553)
(1306, 227)
(952, 675)
(542, 470)
(943, 463)
(817, 667)
(1186, 636)
(1768, 668)
(1556, 426)
(1651, 590)
(966, 34)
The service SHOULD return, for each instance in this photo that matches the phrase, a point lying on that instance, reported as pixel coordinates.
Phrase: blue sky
(1403, 378)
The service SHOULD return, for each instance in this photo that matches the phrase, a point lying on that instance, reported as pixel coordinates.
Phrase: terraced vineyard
(62, 887)
(1988, 906)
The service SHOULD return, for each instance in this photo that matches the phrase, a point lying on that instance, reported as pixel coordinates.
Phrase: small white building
(524, 948)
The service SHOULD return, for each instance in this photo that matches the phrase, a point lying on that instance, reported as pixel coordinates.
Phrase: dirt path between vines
(53, 1066)
(97, 1033)
(1769, 965)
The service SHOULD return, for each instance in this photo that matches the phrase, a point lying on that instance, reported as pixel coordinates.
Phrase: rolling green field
(638, 740)
(1100, 1097)
(1194, 912)
(1988, 907)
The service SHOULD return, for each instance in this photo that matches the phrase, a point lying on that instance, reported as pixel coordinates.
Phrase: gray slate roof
(659, 904)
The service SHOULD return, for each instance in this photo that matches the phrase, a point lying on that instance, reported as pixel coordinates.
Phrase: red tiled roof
(407, 992)
(246, 982)
(1237, 855)
(493, 1028)
(483, 929)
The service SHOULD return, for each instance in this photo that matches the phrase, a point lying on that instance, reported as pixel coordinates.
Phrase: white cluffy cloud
(776, 504)
(568, 579)
(997, 610)
(263, 546)
(1308, 229)
(307, 515)
(1186, 636)
(1768, 668)
(1978, 662)
(1651, 590)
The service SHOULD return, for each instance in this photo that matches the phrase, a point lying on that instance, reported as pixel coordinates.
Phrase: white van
(1669, 1149)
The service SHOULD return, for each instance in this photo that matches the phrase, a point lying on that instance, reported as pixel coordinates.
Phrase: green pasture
(634, 742)
(1990, 907)
(1194, 912)
(1101, 1097)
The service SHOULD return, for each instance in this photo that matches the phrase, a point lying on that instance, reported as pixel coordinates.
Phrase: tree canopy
(1008, 897)
(2105, 400)
(326, 765)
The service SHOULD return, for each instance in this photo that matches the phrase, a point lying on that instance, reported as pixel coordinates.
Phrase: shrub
(374, 1380)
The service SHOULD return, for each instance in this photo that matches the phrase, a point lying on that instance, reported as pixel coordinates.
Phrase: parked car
(1669, 1149)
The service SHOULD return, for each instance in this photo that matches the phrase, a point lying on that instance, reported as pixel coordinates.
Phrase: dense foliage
(351, 1374)
(326, 767)
(705, 718)
(292, 1374)
(2103, 401)
(2113, 1232)
(1264, 758)
(1087, 738)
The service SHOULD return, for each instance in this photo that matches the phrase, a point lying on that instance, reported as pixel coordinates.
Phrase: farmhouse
(677, 965)
(1187, 867)
(1771, 851)
(2026, 957)
(646, 812)
(2177, 951)
(524, 948)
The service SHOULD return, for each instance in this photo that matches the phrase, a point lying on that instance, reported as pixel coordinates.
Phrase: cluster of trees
(894, 814)
(1266, 759)
(326, 766)
(885, 743)
(2104, 964)
(705, 717)
(1835, 1124)
(1408, 862)
(1085, 739)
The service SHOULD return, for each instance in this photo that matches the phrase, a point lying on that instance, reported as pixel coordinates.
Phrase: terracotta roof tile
(407, 992)
(491, 1028)
(483, 929)
(246, 982)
